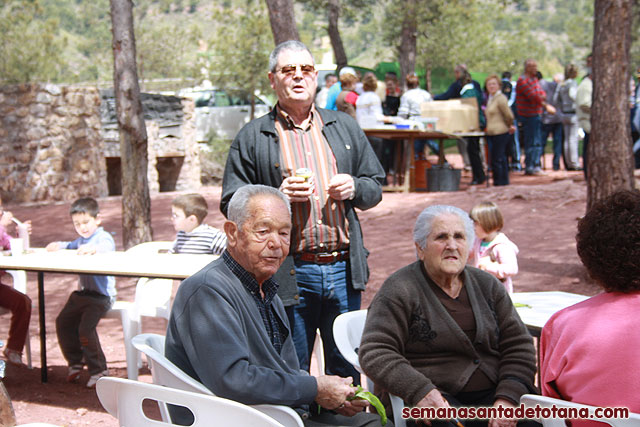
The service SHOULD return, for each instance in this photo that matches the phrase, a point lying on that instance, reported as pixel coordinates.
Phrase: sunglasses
(290, 70)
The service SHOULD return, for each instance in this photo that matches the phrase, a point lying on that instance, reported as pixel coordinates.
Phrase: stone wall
(173, 153)
(60, 143)
(50, 144)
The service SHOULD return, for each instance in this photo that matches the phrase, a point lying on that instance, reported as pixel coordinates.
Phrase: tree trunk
(334, 35)
(610, 166)
(408, 42)
(136, 204)
(283, 22)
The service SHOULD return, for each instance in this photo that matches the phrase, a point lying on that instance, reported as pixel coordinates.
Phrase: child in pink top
(492, 251)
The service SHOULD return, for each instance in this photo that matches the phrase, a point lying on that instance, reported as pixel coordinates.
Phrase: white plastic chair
(20, 285)
(347, 333)
(124, 398)
(531, 400)
(165, 373)
(152, 299)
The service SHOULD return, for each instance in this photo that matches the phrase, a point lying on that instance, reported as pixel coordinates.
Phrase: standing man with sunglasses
(322, 161)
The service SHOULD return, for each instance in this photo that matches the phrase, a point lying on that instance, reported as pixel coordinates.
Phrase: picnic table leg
(43, 331)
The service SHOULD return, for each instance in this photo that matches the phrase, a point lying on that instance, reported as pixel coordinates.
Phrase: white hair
(424, 223)
(292, 45)
(238, 211)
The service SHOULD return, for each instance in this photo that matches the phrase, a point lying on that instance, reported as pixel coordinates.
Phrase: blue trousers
(325, 292)
(555, 129)
(532, 129)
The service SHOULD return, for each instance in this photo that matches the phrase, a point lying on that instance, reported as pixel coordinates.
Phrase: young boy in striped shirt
(187, 213)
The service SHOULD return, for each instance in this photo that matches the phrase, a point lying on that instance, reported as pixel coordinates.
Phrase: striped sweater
(204, 239)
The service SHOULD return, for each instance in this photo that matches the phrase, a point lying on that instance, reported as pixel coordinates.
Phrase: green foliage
(29, 48)
(238, 53)
(166, 50)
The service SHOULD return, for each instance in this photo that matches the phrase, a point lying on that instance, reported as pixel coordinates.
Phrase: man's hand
(352, 407)
(297, 189)
(5, 220)
(87, 250)
(333, 391)
(501, 422)
(342, 187)
(433, 399)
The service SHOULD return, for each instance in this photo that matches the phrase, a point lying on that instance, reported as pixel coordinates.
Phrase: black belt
(568, 112)
(323, 257)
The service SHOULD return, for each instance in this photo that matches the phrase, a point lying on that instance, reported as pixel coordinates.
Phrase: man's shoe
(528, 171)
(13, 357)
(74, 373)
(538, 172)
(95, 377)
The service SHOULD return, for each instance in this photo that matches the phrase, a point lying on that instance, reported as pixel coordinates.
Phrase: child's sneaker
(95, 377)
(74, 373)
(13, 357)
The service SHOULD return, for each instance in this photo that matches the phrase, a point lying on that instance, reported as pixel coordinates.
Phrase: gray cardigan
(254, 158)
(216, 336)
(412, 345)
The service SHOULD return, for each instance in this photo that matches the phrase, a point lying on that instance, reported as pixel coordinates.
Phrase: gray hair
(424, 223)
(293, 45)
(238, 212)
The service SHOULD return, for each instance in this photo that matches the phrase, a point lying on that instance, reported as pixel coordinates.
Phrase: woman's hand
(433, 399)
(503, 422)
(512, 129)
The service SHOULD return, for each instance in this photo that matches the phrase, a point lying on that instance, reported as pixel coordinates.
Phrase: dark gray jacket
(216, 336)
(254, 158)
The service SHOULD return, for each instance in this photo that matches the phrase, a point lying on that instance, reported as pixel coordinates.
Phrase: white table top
(542, 305)
(118, 263)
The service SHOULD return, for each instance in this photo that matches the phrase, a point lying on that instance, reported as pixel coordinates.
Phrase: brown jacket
(499, 115)
(412, 345)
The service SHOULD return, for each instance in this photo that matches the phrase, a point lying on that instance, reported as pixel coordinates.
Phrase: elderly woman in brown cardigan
(441, 333)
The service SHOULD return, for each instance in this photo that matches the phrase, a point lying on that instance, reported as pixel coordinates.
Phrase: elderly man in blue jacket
(228, 328)
(323, 162)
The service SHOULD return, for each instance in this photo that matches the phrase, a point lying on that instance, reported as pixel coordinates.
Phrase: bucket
(443, 178)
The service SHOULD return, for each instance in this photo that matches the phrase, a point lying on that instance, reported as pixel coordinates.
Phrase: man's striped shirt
(319, 225)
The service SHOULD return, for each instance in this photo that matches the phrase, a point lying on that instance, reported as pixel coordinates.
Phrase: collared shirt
(277, 331)
(319, 225)
(529, 96)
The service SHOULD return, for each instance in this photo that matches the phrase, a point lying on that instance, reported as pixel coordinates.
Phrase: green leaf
(373, 400)
(519, 304)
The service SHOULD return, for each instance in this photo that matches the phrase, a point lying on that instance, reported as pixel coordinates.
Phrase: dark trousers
(498, 151)
(76, 328)
(473, 148)
(20, 306)
(555, 129)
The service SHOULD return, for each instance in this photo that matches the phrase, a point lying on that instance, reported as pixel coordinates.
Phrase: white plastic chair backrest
(123, 399)
(165, 373)
(150, 247)
(153, 297)
(347, 334)
(531, 400)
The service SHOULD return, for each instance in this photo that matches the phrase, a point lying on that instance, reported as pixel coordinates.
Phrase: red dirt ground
(540, 216)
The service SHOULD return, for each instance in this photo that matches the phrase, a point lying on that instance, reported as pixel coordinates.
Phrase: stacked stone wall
(51, 148)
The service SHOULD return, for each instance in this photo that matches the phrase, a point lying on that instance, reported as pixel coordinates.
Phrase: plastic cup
(23, 233)
(17, 246)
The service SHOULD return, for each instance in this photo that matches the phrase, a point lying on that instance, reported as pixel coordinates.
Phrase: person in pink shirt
(589, 351)
(18, 303)
(492, 251)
